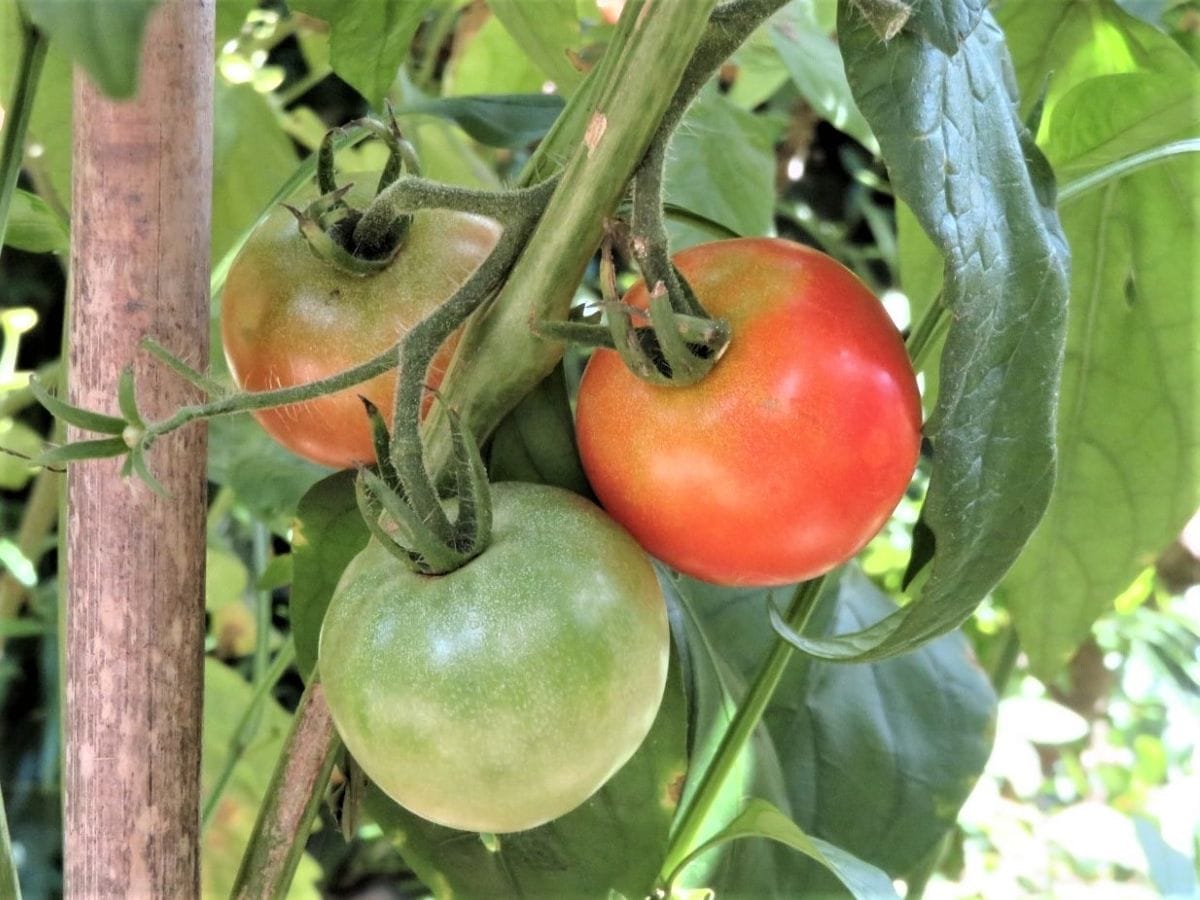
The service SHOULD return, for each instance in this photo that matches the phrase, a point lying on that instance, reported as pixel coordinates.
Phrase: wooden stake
(135, 562)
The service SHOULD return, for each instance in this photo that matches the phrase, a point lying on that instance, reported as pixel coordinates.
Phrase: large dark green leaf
(614, 841)
(498, 120)
(877, 758)
(938, 98)
(329, 532)
(536, 441)
(1129, 429)
(368, 41)
(105, 38)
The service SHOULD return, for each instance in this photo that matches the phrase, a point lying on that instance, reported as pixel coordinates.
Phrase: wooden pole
(135, 562)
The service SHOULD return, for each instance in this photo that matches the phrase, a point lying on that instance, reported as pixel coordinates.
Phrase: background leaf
(225, 694)
(252, 158)
(811, 58)
(761, 819)
(497, 120)
(879, 757)
(105, 38)
(329, 532)
(267, 479)
(368, 42)
(1129, 429)
(721, 165)
(34, 226)
(50, 125)
(545, 30)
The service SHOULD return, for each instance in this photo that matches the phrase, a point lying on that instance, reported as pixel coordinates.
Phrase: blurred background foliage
(1092, 646)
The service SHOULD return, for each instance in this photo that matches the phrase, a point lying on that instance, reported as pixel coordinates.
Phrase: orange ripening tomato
(790, 454)
(288, 318)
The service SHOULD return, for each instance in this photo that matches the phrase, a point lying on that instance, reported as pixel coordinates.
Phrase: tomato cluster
(503, 694)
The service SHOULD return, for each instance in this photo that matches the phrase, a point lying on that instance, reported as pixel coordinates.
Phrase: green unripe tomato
(504, 694)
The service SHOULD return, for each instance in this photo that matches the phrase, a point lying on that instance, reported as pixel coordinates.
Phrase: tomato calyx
(409, 519)
(673, 341)
(358, 242)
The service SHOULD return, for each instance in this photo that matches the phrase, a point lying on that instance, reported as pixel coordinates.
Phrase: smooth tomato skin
(785, 459)
(289, 318)
(502, 695)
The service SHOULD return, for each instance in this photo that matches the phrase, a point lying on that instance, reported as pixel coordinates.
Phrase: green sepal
(192, 376)
(383, 448)
(74, 415)
(473, 525)
(127, 399)
(416, 544)
(77, 451)
(137, 462)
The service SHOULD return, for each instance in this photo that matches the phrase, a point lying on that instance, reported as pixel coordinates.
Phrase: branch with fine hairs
(291, 803)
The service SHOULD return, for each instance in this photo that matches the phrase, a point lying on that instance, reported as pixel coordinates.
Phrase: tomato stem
(693, 817)
(924, 337)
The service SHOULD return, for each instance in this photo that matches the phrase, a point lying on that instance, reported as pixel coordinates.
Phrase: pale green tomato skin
(502, 695)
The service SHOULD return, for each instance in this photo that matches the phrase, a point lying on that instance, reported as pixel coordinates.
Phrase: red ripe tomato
(289, 318)
(785, 459)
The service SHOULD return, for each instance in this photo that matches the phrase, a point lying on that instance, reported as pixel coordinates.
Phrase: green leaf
(368, 41)
(268, 480)
(876, 758)
(721, 166)
(252, 157)
(277, 574)
(499, 120)
(34, 227)
(49, 137)
(226, 694)
(812, 60)
(536, 441)
(614, 841)
(545, 30)
(761, 819)
(327, 534)
(1128, 429)
(104, 38)
(491, 63)
(17, 563)
(960, 158)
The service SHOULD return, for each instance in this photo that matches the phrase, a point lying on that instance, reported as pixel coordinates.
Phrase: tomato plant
(503, 694)
(288, 317)
(791, 454)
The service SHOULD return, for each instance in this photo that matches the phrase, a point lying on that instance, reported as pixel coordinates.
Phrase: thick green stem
(422, 343)
(694, 816)
(17, 116)
(500, 359)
